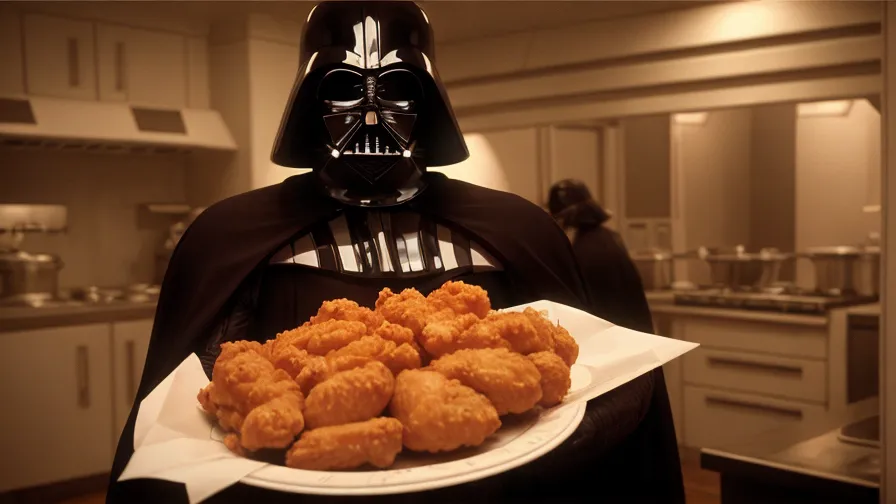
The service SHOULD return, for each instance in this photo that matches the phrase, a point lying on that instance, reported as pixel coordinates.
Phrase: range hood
(91, 125)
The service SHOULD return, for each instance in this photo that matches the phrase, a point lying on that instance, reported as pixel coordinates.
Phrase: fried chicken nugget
(439, 414)
(450, 334)
(561, 342)
(514, 328)
(376, 442)
(251, 397)
(509, 380)
(350, 396)
(555, 377)
(409, 309)
(461, 298)
(344, 309)
(396, 357)
(319, 369)
(397, 333)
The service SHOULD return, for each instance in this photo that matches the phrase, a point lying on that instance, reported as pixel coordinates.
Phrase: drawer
(721, 419)
(791, 340)
(757, 373)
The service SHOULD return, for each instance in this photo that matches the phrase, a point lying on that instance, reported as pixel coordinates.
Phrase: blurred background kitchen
(737, 145)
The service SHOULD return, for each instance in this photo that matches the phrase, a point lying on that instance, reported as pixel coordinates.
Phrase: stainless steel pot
(655, 268)
(737, 269)
(835, 269)
(866, 272)
(24, 275)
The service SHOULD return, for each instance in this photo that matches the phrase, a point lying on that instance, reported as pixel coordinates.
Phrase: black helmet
(571, 204)
(368, 112)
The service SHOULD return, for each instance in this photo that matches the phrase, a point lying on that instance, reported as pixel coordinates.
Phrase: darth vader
(368, 114)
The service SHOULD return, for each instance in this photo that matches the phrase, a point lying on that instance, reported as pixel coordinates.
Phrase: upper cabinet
(59, 57)
(12, 66)
(78, 59)
(145, 68)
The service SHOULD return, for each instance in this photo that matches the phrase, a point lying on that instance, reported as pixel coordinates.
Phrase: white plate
(519, 441)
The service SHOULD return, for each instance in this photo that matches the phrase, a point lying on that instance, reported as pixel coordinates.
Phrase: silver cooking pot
(655, 268)
(845, 270)
(28, 276)
(735, 268)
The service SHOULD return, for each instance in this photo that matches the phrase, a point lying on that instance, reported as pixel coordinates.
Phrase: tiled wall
(108, 242)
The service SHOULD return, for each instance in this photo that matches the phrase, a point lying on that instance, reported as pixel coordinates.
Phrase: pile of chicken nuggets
(356, 386)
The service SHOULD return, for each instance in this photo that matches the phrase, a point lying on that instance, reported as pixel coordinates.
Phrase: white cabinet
(143, 67)
(12, 66)
(57, 410)
(130, 341)
(59, 57)
(198, 73)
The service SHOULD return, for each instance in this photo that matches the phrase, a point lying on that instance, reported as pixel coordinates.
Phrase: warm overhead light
(406, 153)
(334, 153)
(690, 118)
(837, 108)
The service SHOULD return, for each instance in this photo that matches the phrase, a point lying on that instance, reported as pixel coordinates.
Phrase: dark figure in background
(368, 113)
(611, 277)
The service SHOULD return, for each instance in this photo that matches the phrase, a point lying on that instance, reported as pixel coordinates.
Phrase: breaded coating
(251, 397)
(409, 309)
(344, 309)
(376, 442)
(514, 328)
(319, 339)
(509, 380)
(396, 357)
(461, 299)
(451, 334)
(319, 369)
(350, 396)
(555, 377)
(397, 333)
(565, 346)
(439, 414)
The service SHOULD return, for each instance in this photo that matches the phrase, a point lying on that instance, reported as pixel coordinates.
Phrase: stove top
(778, 301)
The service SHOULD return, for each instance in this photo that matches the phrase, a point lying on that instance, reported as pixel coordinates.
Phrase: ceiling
(452, 20)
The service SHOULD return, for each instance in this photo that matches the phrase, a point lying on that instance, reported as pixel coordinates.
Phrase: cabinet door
(12, 77)
(143, 67)
(198, 72)
(57, 410)
(59, 57)
(575, 154)
(130, 341)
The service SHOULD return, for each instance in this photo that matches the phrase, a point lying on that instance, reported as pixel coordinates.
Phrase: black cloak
(625, 449)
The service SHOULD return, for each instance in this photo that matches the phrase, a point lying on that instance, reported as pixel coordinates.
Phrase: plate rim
(576, 414)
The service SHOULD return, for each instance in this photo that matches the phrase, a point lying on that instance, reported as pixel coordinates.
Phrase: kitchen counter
(26, 318)
(867, 309)
(737, 314)
(820, 469)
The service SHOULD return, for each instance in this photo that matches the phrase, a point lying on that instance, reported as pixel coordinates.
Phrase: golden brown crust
(555, 377)
(350, 396)
(376, 442)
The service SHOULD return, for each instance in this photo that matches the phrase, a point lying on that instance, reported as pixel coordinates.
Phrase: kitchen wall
(108, 241)
(837, 174)
(713, 164)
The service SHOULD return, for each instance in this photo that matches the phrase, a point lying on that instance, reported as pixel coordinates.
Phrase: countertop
(663, 308)
(25, 318)
(821, 463)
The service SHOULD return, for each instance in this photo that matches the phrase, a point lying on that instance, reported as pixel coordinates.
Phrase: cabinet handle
(119, 66)
(757, 366)
(131, 382)
(74, 63)
(83, 378)
(765, 408)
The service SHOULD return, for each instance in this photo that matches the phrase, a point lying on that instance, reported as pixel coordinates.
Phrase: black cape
(625, 449)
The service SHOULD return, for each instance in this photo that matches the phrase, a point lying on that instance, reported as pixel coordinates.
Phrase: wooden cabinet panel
(143, 67)
(59, 57)
(130, 342)
(781, 339)
(757, 373)
(57, 410)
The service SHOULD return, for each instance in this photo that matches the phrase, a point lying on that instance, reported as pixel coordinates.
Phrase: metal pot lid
(839, 251)
(20, 256)
(651, 255)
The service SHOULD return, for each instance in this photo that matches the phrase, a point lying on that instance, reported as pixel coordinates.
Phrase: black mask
(368, 113)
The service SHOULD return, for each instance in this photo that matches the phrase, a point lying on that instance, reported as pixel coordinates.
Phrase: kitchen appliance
(655, 268)
(737, 269)
(175, 232)
(28, 278)
(780, 299)
(846, 270)
(113, 127)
